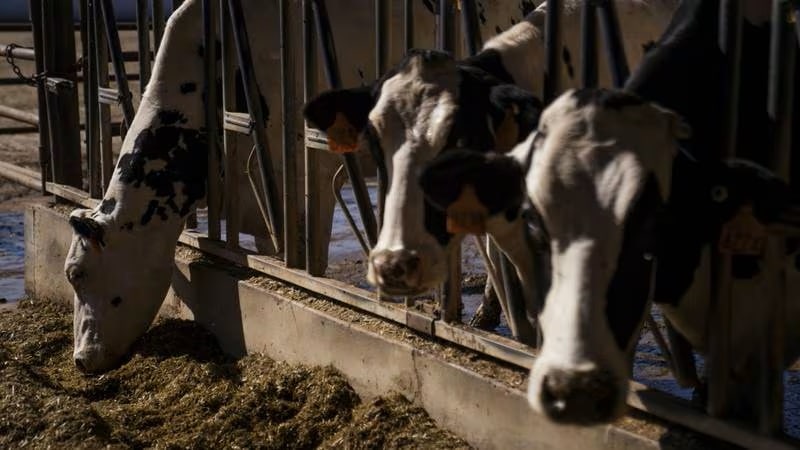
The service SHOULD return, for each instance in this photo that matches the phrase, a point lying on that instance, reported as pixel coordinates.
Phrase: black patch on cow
(181, 169)
(490, 62)
(188, 87)
(354, 103)
(527, 7)
(498, 30)
(567, 58)
(606, 98)
(629, 289)
(107, 205)
(116, 301)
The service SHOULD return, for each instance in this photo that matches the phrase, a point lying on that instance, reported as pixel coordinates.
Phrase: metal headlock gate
(61, 153)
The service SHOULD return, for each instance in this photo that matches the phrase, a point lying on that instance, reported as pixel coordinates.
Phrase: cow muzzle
(579, 397)
(94, 360)
(397, 272)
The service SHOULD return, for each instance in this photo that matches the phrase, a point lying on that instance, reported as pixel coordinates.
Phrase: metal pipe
(408, 25)
(46, 173)
(445, 30)
(91, 107)
(552, 42)
(143, 35)
(292, 236)
(158, 23)
(615, 49)
(231, 199)
(210, 21)
(588, 44)
(382, 21)
(104, 111)
(331, 67)
(336, 184)
(269, 189)
(26, 54)
(115, 48)
(19, 115)
(472, 32)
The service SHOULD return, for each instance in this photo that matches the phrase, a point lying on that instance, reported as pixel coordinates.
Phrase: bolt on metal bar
(471, 30)
(615, 50)
(552, 40)
(158, 23)
(269, 189)
(292, 235)
(228, 58)
(331, 68)
(45, 169)
(115, 47)
(213, 195)
(588, 44)
(143, 35)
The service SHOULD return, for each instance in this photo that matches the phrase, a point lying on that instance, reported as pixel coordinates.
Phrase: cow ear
(515, 114)
(471, 186)
(342, 114)
(87, 228)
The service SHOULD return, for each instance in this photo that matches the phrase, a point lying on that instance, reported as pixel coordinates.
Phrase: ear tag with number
(743, 234)
(342, 135)
(467, 214)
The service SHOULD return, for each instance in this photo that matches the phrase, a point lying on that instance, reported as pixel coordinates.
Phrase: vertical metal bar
(552, 42)
(104, 110)
(779, 108)
(472, 32)
(228, 57)
(292, 236)
(143, 34)
(210, 20)
(588, 44)
(615, 50)
(158, 23)
(451, 307)
(314, 263)
(408, 24)
(35, 10)
(269, 189)
(331, 67)
(115, 47)
(382, 22)
(88, 27)
(719, 332)
(62, 97)
(445, 31)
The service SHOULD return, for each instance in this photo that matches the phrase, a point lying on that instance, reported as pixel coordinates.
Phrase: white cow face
(427, 105)
(120, 276)
(595, 173)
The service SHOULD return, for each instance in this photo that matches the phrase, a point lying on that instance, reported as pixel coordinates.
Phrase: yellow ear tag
(342, 135)
(507, 133)
(743, 234)
(467, 214)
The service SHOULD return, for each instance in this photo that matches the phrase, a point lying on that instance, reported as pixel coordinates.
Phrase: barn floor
(180, 389)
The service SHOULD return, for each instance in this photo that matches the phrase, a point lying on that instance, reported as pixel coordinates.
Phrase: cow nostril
(555, 390)
(579, 397)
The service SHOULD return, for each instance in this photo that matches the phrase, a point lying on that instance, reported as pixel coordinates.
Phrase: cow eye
(75, 274)
(539, 138)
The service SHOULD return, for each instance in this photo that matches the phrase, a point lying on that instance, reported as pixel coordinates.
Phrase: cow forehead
(418, 102)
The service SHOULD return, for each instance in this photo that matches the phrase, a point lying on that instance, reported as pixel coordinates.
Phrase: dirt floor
(180, 390)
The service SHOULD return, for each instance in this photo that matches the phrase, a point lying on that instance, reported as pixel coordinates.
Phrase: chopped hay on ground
(179, 390)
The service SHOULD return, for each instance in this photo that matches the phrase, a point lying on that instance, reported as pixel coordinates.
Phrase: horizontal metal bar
(18, 53)
(22, 26)
(19, 115)
(109, 96)
(18, 130)
(238, 122)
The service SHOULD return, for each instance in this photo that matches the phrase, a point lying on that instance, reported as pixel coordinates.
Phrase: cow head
(595, 173)
(427, 105)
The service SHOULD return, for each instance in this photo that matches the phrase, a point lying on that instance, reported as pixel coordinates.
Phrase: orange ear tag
(743, 234)
(342, 135)
(467, 214)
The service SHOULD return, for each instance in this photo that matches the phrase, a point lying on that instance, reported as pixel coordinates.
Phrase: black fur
(188, 87)
(107, 206)
(116, 301)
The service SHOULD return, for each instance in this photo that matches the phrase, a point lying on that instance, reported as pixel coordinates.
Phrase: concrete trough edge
(248, 318)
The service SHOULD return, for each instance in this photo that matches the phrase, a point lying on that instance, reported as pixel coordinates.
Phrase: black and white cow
(611, 194)
(431, 103)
